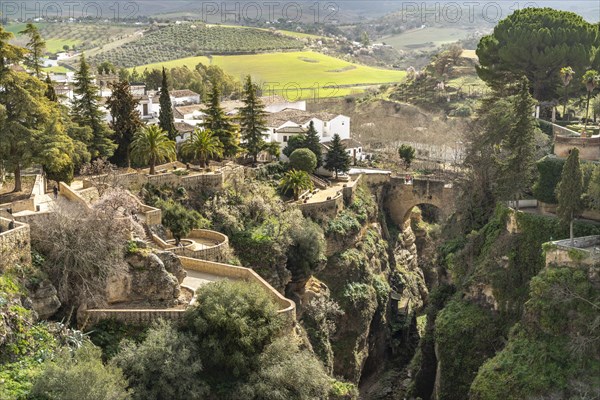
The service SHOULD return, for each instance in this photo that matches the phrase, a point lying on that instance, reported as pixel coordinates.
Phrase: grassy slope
(300, 35)
(305, 68)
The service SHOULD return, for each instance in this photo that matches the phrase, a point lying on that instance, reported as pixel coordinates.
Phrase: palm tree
(202, 146)
(591, 79)
(151, 145)
(296, 181)
(566, 74)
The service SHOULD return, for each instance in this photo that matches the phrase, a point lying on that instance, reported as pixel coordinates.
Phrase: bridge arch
(401, 197)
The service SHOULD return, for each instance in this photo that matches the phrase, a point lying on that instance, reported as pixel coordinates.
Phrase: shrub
(164, 366)
(232, 323)
(80, 376)
(304, 160)
(549, 169)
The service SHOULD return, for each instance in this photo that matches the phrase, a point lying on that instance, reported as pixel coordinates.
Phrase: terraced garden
(185, 40)
(296, 75)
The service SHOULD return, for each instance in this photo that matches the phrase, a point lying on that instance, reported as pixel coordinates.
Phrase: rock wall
(15, 244)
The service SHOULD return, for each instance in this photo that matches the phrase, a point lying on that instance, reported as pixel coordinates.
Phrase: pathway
(195, 279)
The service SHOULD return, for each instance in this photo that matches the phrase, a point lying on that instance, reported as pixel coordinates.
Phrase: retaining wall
(216, 253)
(15, 244)
(287, 307)
(589, 148)
(328, 208)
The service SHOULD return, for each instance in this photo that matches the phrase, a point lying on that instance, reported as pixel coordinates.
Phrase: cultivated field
(302, 74)
(187, 40)
(428, 38)
(80, 35)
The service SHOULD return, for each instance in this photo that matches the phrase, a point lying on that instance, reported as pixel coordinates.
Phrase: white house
(184, 97)
(326, 124)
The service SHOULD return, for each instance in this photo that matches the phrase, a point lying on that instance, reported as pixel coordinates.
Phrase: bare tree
(101, 173)
(82, 248)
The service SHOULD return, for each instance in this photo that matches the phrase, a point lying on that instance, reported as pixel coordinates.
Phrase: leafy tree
(233, 322)
(566, 75)
(537, 43)
(303, 160)
(85, 111)
(286, 372)
(364, 39)
(126, 120)
(593, 191)
(164, 366)
(591, 80)
(50, 92)
(273, 149)
(56, 152)
(295, 142)
(202, 146)
(220, 124)
(151, 145)
(152, 78)
(9, 54)
(66, 47)
(307, 250)
(296, 181)
(569, 191)
(252, 120)
(407, 155)
(517, 157)
(106, 67)
(337, 160)
(80, 376)
(178, 219)
(36, 47)
(166, 121)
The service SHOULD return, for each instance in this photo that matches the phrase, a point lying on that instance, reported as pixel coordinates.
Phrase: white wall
(339, 125)
(178, 101)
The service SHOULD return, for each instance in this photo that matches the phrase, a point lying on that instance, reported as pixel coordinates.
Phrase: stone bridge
(402, 196)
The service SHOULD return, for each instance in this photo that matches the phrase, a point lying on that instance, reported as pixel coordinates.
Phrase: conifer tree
(36, 47)
(220, 124)
(166, 121)
(337, 160)
(9, 54)
(252, 121)
(85, 111)
(569, 191)
(517, 157)
(50, 92)
(126, 120)
(313, 143)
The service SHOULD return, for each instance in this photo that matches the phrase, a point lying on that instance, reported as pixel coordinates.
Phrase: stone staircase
(319, 182)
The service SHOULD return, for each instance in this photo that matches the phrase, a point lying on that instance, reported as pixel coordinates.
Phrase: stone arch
(401, 197)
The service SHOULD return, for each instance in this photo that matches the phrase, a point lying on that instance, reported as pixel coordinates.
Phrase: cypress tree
(517, 157)
(313, 143)
(85, 111)
(569, 191)
(166, 121)
(252, 121)
(220, 124)
(337, 159)
(126, 120)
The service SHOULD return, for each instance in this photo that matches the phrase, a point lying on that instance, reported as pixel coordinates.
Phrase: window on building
(145, 109)
(285, 138)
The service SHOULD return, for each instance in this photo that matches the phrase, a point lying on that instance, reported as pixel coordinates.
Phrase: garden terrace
(584, 250)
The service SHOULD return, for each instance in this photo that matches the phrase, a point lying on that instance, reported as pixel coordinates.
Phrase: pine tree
(517, 157)
(36, 47)
(252, 121)
(166, 121)
(85, 111)
(569, 191)
(220, 124)
(313, 143)
(50, 92)
(9, 54)
(126, 120)
(337, 160)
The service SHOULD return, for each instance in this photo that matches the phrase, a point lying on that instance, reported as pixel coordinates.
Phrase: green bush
(549, 170)
(303, 160)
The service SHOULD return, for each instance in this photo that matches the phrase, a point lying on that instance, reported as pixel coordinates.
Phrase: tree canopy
(338, 160)
(537, 43)
(252, 120)
(126, 120)
(569, 190)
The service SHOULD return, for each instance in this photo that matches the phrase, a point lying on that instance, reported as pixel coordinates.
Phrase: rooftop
(297, 116)
(183, 93)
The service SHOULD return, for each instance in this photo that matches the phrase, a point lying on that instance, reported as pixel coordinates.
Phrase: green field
(428, 38)
(299, 35)
(315, 74)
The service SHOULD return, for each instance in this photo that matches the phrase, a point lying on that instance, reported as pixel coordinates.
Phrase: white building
(326, 124)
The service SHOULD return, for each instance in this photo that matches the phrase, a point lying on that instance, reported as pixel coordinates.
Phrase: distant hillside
(187, 40)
